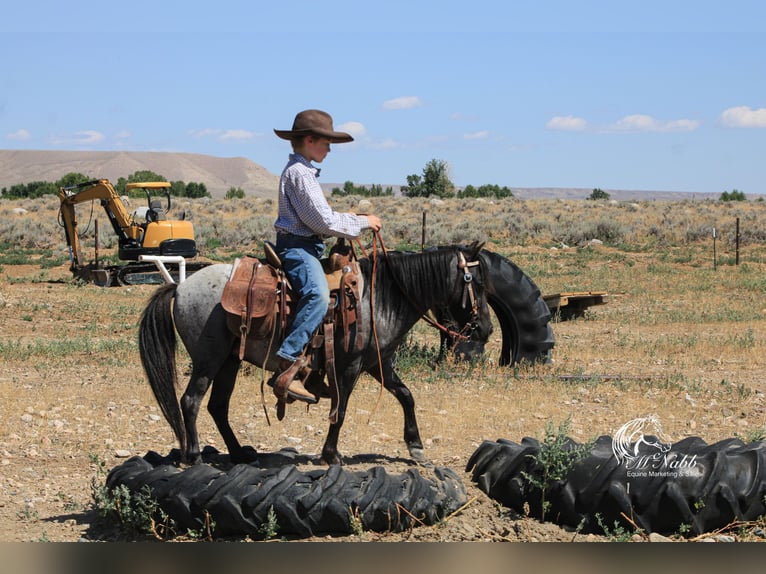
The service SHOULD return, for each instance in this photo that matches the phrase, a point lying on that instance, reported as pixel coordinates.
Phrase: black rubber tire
(316, 502)
(521, 310)
(728, 484)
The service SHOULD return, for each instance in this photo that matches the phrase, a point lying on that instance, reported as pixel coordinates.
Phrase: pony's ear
(474, 248)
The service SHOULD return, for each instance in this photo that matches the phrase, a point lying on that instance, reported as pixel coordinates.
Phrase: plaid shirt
(303, 208)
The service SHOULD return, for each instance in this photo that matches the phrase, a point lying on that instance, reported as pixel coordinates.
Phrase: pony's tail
(157, 347)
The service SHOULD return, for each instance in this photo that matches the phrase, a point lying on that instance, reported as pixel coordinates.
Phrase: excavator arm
(127, 230)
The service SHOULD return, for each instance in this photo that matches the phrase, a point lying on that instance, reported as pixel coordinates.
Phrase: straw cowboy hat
(314, 122)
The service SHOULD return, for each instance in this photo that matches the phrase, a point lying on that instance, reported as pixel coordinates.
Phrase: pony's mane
(423, 278)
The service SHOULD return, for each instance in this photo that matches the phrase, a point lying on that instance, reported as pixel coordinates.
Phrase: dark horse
(406, 285)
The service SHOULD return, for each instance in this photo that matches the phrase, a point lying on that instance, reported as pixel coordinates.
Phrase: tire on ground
(305, 503)
(707, 487)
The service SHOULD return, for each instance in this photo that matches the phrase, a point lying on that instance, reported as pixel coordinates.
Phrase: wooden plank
(574, 303)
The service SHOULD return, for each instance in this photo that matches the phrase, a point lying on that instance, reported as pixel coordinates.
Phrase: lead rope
(266, 360)
(376, 239)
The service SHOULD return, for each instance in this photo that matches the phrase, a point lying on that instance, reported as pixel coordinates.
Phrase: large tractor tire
(521, 310)
(317, 502)
(713, 486)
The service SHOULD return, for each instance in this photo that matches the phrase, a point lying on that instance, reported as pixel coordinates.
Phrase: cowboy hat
(314, 122)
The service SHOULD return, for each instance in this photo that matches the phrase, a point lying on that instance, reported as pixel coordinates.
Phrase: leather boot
(286, 386)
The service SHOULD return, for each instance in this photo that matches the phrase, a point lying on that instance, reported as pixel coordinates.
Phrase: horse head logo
(631, 437)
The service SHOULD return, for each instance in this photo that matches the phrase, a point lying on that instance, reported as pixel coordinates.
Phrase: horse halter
(468, 292)
(468, 295)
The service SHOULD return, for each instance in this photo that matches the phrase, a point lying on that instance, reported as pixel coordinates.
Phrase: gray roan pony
(406, 286)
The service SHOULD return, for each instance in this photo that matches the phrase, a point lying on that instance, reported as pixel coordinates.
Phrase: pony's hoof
(246, 455)
(418, 454)
(191, 460)
(332, 459)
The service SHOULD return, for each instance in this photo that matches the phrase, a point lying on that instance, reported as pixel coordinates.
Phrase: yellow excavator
(144, 236)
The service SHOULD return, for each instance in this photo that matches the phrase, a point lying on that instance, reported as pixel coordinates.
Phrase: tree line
(733, 195)
(434, 181)
(40, 188)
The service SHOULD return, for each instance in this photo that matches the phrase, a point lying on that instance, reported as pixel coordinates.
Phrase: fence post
(714, 255)
(95, 245)
(736, 240)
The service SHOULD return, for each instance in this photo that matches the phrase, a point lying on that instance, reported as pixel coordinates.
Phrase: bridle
(468, 297)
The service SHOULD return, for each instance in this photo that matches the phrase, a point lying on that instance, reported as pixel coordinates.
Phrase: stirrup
(288, 376)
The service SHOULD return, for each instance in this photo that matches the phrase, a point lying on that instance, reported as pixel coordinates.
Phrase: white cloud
(388, 144)
(236, 135)
(84, 137)
(644, 123)
(205, 133)
(223, 135)
(122, 135)
(635, 123)
(19, 135)
(567, 124)
(88, 137)
(356, 129)
(744, 117)
(403, 103)
(682, 125)
(480, 135)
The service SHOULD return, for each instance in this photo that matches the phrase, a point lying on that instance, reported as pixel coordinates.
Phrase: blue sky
(655, 95)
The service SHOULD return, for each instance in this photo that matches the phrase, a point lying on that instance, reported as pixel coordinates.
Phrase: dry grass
(677, 338)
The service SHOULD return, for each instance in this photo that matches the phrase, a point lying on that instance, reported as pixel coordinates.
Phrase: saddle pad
(251, 290)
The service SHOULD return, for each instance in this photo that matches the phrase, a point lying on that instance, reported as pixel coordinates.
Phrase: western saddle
(258, 299)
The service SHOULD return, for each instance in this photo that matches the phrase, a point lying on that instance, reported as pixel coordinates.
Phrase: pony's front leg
(190, 405)
(396, 387)
(330, 454)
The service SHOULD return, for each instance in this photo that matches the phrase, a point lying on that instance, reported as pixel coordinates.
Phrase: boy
(303, 221)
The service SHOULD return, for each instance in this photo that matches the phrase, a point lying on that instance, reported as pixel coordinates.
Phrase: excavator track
(148, 274)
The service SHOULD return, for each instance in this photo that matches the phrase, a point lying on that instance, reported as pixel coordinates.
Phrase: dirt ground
(74, 403)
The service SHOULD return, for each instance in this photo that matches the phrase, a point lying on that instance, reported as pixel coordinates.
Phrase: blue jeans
(300, 261)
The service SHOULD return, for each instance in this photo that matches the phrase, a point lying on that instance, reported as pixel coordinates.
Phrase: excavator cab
(160, 235)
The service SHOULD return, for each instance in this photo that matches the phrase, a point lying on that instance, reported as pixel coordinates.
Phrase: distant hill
(217, 173)
(221, 173)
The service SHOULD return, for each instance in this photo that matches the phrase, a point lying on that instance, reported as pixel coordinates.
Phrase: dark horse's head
(467, 315)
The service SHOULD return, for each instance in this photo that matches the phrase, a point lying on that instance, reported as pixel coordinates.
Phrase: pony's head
(467, 314)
